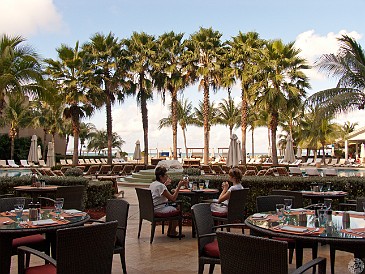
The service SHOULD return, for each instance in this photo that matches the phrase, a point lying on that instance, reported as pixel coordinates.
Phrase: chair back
(145, 202)
(203, 221)
(92, 170)
(268, 203)
(7, 204)
(117, 210)
(237, 205)
(297, 202)
(116, 169)
(73, 196)
(86, 249)
(237, 254)
(359, 206)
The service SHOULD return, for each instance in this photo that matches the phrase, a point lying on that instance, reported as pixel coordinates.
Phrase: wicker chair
(249, 173)
(298, 197)
(73, 197)
(206, 169)
(268, 203)
(82, 250)
(208, 252)
(36, 241)
(127, 170)
(147, 212)
(138, 168)
(92, 171)
(358, 248)
(244, 254)
(236, 208)
(117, 210)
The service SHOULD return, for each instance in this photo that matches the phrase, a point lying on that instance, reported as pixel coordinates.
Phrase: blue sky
(314, 25)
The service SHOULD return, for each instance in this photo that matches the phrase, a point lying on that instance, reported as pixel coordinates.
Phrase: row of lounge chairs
(23, 163)
(91, 161)
(335, 162)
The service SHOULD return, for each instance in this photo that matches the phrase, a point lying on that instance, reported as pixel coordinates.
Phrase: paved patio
(166, 255)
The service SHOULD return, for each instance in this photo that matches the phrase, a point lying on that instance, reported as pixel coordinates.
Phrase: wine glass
(320, 187)
(328, 186)
(280, 211)
(327, 203)
(288, 204)
(58, 204)
(20, 203)
(206, 183)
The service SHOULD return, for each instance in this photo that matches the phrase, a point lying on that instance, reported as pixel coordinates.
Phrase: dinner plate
(259, 215)
(44, 222)
(294, 229)
(72, 211)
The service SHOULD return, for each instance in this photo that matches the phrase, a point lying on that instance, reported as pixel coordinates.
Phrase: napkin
(298, 209)
(44, 222)
(294, 229)
(259, 216)
(72, 211)
(356, 213)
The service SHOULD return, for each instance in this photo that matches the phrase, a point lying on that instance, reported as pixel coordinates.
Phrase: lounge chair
(333, 162)
(11, 163)
(329, 172)
(42, 163)
(309, 161)
(3, 163)
(98, 161)
(312, 172)
(341, 162)
(318, 161)
(295, 171)
(81, 162)
(24, 163)
(63, 162)
(69, 161)
(296, 162)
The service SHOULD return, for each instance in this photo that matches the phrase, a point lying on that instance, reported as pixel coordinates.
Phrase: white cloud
(313, 45)
(26, 18)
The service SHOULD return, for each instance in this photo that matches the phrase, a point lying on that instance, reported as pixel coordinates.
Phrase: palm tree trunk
(244, 126)
(44, 142)
(109, 127)
(206, 121)
(273, 126)
(145, 126)
(12, 148)
(174, 121)
(67, 141)
(186, 148)
(253, 144)
(76, 131)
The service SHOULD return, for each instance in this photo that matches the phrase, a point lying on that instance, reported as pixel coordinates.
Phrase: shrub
(191, 171)
(73, 171)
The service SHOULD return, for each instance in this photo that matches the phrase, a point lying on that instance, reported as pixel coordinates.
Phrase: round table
(8, 232)
(269, 226)
(317, 197)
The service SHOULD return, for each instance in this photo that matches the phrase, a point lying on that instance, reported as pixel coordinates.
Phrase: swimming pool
(14, 172)
(348, 172)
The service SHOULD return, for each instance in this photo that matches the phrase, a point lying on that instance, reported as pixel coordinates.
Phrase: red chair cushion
(168, 214)
(42, 269)
(219, 214)
(28, 240)
(212, 249)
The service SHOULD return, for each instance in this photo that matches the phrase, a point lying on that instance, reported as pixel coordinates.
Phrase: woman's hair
(235, 173)
(159, 172)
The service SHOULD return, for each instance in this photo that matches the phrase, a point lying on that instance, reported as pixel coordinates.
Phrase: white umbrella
(289, 156)
(39, 151)
(333, 151)
(299, 152)
(50, 155)
(362, 153)
(234, 152)
(33, 153)
(137, 151)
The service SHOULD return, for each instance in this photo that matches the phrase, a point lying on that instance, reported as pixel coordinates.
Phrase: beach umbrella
(289, 156)
(299, 152)
(362, 152)
(137, 151)
(33, 151)
(39, 150)
(234, 152)
(333, 151)
(50, 155)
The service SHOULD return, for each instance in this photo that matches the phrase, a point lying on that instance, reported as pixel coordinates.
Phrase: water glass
(58, 204)
(328, 184)
(18, 213)
(201, 186)
(327, 204)
(322, 217)
(206, 182)
(288, 204)
(20, 203)
(320, 187)
(280, 211)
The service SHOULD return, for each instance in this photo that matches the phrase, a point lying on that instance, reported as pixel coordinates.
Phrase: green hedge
(97, 192)
(262, 185)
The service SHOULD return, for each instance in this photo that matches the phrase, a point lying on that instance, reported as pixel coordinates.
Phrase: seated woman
(161, 196)
(235, 176)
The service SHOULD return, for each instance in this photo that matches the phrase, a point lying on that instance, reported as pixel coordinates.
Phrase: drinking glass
(206, 183)
(327, 204)
(322, 217)
(288, 204)
(20, 202)
(58, 204)
(201, 186)
(280, 211)
(328, 186)
(320, 187)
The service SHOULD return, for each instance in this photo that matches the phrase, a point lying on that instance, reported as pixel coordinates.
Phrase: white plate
(44, 222)
(298, 209)
(294, 229)
(259, 215)
(72, 211)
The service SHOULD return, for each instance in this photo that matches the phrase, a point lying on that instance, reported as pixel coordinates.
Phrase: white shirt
(157, 188)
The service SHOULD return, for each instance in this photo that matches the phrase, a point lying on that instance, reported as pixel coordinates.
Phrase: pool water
(348, 172)
(14, 172)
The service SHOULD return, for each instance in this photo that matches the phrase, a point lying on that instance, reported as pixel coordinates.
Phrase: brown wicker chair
(298, 197)
(249, 173)
(262, 172)
(117, 210)
(104, 169)
(92, 171)
(236, 208)
(282, 171)
(147, 212)
(36, 241)
(127, 170)
(82, 250)
(206, 169)
(208, 251)
(73, 197)
(138, 168)
(244, 254)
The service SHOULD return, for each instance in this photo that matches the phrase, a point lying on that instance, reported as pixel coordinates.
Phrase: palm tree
(17, 114)
(284, 79)
(99, 141)
(245, 50)
(348, 65)
(107, 75)
(203, 56)
(256, 118)
(20, 69)
(69, 72)
(171, 75)
(185, 117)
(141, 50)
(228, 114)
(199, 117)
(87, 131)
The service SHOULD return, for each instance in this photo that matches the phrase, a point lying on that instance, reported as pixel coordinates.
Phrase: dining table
(319, 196)
(304, 226)
(196, 196)
(48, 223)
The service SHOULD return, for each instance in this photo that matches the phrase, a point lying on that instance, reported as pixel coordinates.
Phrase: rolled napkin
(294, 228)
